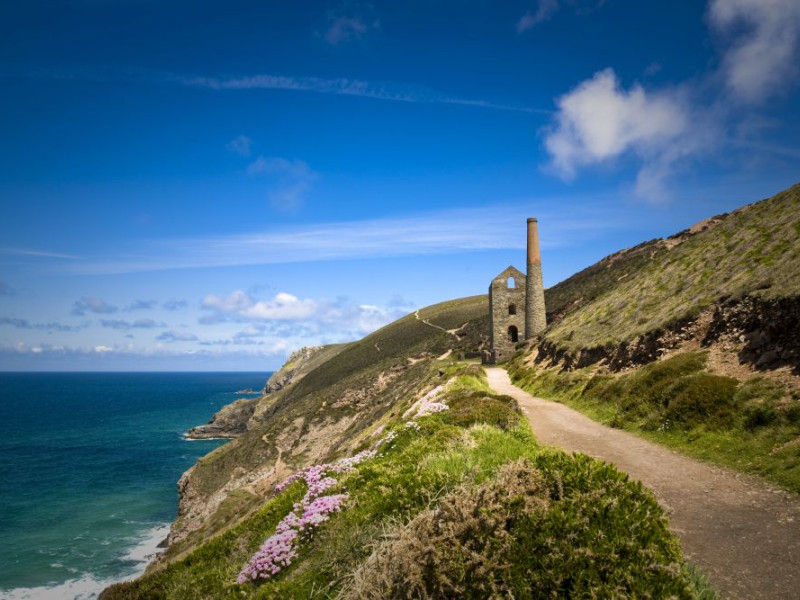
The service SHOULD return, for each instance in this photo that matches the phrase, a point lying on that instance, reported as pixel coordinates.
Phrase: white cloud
(763, 35)
(545, 10)
(599, 121)
(283, 307)
(342, 318)
(237, 301)
(241, 145)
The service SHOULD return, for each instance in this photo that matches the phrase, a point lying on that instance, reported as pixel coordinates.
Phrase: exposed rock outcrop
(298, 364)
(230, 422)
(769, 330)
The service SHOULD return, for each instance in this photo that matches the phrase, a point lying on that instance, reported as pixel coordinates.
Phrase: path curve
(743, 533)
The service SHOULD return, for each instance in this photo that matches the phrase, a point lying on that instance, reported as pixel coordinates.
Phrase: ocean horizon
(90, 464)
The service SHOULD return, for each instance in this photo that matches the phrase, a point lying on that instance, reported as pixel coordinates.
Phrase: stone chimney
(535, 316)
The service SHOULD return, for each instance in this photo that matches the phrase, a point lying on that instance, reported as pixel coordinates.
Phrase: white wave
(147, 548)
(89, 587)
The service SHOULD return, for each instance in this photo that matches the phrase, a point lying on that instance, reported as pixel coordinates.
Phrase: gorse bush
(555, 526)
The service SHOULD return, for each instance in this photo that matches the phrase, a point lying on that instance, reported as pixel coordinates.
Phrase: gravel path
(742, 532)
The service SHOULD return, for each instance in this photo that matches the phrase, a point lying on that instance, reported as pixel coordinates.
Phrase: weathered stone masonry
(516, 303)
(506, 312)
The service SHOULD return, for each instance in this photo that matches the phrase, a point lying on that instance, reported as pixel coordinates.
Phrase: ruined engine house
(516, 303)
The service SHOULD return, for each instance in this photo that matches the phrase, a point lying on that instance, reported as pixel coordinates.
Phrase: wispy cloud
(124, 325)
(545, 10)
(141, 305)
(292, 180)
(394, 92)
(763, 38)
(338, 86)
(342, 29)
(467, 230)
(241, 145)
(175, 305)
(89, 304)
(176, 336)
(37, 253)
(351, 21)
(25, 324)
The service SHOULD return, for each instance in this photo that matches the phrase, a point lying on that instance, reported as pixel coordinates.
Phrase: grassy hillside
(752, 251)
(326, 412)
(696, 388)
(456, 503)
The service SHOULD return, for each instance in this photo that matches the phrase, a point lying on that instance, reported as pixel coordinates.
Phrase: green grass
(752, 426)
(750, 252)
(455, 457)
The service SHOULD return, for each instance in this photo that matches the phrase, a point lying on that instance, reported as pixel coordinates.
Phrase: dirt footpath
(743, 533)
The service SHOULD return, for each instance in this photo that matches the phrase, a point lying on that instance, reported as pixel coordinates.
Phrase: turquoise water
(88, 469)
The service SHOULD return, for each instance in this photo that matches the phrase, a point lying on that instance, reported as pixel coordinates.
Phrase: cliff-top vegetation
(457, 501)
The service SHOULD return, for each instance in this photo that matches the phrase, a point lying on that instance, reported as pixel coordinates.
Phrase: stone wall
(501, 299)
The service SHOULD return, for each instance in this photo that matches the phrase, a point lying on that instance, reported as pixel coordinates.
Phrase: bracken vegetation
(458, 503)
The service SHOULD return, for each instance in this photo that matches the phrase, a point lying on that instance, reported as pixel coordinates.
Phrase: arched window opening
(512, 309)
(513, 335)
(511, 282)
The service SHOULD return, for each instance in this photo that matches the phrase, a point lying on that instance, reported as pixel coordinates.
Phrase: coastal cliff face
(230, 422)
(298, 364)
(322, 403)
(234, 419)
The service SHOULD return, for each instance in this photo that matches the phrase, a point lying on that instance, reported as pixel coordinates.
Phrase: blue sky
(199, 186)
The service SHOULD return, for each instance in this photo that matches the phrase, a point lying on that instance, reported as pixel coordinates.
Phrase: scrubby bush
(556, 526)
(472, 408)
(702, 399)
(759, 415)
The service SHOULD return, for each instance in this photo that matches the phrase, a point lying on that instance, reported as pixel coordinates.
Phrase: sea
(89, 464)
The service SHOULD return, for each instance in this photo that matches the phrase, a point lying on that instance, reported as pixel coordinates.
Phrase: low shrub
(702, 399)
(472, 408)
(554, 526)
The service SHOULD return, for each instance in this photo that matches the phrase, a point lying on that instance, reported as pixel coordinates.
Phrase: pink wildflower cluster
(279, 549)
(427, 405)
(430, 408)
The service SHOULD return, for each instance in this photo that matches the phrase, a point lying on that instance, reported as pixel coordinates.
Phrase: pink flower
(280, 548)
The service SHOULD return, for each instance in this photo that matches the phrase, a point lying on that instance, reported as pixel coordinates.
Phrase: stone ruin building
(516, 303)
